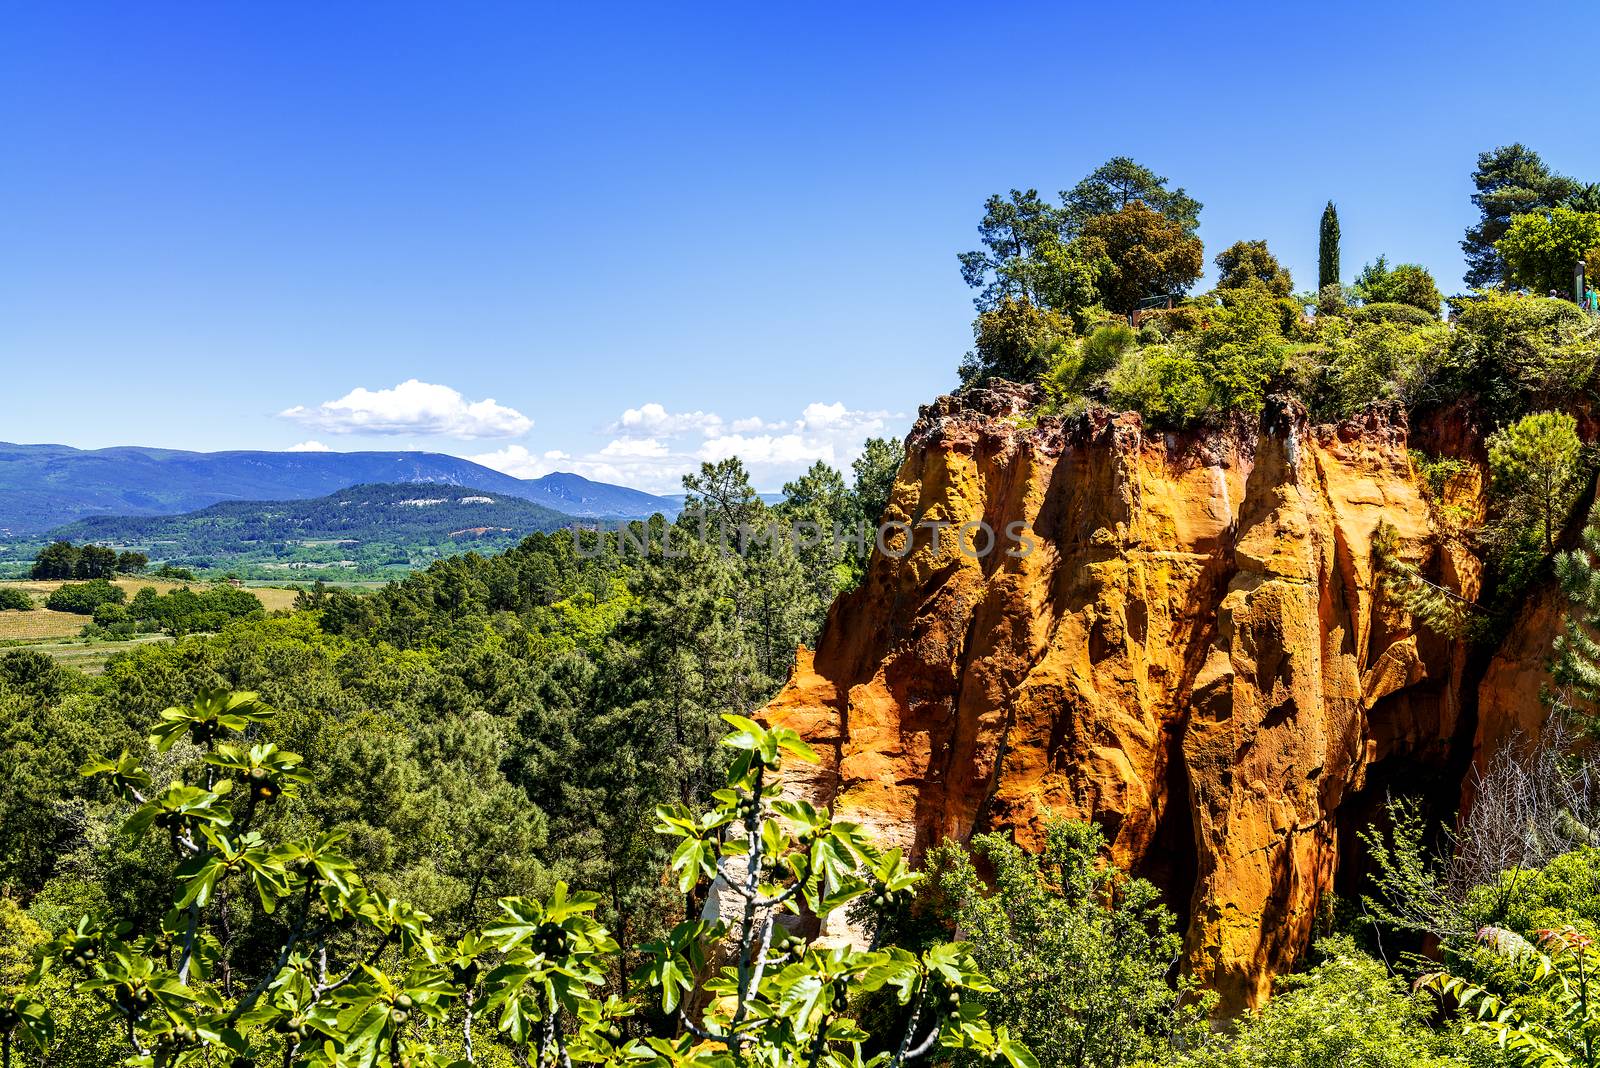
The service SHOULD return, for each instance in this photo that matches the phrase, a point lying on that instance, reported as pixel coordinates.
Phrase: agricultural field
(89, 657)
(41, 624)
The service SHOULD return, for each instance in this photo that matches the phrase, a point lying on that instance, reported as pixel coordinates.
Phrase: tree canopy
(1250, 263)
(1511, 180)
(1148, 255)
(1541, 250)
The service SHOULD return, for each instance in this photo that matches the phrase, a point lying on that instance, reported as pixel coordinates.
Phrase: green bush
(14, 600)
(1512, 355)
(1345, 1011)
(1014, 341)
(185, 611)
(1377, 361)
(83, 598)
(1078, 952)
(1164, 383)
(1564, 892)
(1102, 349)
(1184, 319)
(1389, 312)
(1331, 300)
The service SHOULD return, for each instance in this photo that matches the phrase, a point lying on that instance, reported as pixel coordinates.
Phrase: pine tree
(1576, 665)
(1328, 248)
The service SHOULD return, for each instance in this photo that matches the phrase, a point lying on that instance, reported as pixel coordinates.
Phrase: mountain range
(43, 487)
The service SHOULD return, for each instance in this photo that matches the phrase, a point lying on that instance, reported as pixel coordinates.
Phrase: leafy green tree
(1534, 463)
(58, 560)
(1148, 255)
(1013, 340)
(1511, 180)
(1328, 248)
(1116, 185)
(1080, 955)
(1250, 263)
(348, 974)
(1405, 283)
(1542, 250)
(14, 600)
(132, 563)
(84, 597)
(95, 562)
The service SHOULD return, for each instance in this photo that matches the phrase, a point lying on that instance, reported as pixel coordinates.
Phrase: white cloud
(819, 416)
(767, 449)
(653, 420)
(308, 446)
(634, 447)
(653, 448)
(518, 462)
(412, 407)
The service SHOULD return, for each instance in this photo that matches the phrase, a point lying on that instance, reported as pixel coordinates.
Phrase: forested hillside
(362, 530)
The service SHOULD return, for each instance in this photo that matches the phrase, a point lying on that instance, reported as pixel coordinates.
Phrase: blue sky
(738, 223)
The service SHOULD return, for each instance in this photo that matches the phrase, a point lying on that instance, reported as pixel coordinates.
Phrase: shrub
(1164, 383)
(1346, 1010)
(1515, 354)
(1565, 891)
(1078, 952)
(1377, 361)
(1182, 319)
(14, 600)
(83, 598)
(1014, 341)
(1102, 349)
(1392, 312)
(1331, 300)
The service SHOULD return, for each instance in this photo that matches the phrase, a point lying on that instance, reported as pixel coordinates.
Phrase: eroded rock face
(1196, 654)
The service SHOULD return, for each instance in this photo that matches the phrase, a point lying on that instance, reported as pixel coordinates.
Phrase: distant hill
(46, 486)
(359, 528)
(576, 495)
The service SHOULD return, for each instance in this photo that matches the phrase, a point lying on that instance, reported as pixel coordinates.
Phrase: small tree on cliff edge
(1328, 248)
(1535, 466)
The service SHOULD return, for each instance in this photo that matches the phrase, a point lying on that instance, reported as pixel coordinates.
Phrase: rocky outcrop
(1182, 637)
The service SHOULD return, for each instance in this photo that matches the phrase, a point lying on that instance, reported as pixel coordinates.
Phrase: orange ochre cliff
(1187, 644)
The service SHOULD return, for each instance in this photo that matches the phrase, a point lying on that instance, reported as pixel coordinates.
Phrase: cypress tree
(1328, 248)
